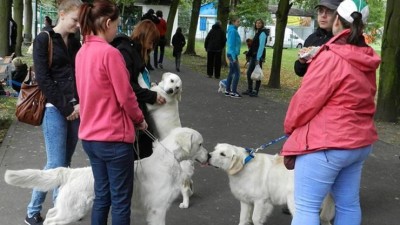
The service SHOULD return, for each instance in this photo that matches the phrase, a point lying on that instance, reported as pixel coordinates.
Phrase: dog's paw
(184, 205)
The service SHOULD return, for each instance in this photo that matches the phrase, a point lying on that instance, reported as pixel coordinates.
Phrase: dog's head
(227, 157)
(189, 144)
(171, 84)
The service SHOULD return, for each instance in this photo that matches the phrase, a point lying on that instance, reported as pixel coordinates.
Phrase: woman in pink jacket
(330, 121)
(109, 113)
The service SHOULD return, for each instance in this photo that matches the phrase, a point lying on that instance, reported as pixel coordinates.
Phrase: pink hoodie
(334, 107)
(108, 106)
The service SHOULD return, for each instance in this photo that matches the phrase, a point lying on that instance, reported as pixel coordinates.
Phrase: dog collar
(249, 157)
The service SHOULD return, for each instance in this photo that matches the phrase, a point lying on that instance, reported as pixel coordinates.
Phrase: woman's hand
(142, 126)
(160, 99)
(75, 114)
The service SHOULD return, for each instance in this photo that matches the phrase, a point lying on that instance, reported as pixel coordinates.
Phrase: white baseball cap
(347, 7)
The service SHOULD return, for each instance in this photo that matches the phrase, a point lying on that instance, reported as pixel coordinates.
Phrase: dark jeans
(178, 60)
(214, 64)
(252, 65)
(161, 43)
(112, 166)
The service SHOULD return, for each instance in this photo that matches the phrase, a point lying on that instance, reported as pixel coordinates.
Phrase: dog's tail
(43, 180)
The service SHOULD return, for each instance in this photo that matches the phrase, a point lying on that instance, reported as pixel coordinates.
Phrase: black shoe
(254, 94)
(235, 95)
(227, 93)
(34, 220)
(177, 69)
(217, 78)
(161, 66)
(149, 67)
(247, 92)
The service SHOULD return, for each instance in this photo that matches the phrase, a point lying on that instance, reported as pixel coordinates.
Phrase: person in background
(162, 28)
(12, 40)
(110, 113)
(18, 74)
(214, 44)
(150, 16)
(256, 54)
(178, 42)
(234, 43)
(61, 115)
(330, 121)
(134, 49)
(325, 11)
(48, 23)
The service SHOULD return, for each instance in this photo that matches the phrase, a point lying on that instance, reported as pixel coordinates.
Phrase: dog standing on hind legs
(165, 118)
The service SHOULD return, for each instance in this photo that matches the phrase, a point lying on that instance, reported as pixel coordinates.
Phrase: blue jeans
(337, 171)
(112, 166)
(161, 43)
(60, 137)
(233, 76)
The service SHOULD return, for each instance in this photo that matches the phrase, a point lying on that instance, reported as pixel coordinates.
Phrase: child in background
(19, 74)
(178, 42)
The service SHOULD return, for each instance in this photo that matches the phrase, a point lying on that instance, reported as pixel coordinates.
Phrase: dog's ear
(184, 139)
(236, 165)
(179, 95)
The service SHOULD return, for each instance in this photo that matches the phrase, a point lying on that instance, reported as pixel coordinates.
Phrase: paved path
(247, 122)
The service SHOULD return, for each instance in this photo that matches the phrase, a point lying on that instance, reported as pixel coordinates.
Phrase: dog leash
(252, 151)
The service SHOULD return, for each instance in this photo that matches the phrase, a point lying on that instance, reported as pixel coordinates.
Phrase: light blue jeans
(233, 76)
(335, 171)
(60, 137)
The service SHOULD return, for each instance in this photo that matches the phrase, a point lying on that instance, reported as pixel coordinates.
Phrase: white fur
(260, 184)
(156, 184)
(222, 85)
(166, 118)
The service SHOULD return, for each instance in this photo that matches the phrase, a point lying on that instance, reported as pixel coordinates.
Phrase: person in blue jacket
(256, 54)
(233, 51)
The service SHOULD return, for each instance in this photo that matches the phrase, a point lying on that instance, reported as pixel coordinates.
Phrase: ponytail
(356, 29)
(92, 17)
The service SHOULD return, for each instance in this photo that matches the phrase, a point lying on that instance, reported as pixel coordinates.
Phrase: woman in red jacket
(109, 113)
(330, 120)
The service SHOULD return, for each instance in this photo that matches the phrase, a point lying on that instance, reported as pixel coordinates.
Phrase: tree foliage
(251, 10)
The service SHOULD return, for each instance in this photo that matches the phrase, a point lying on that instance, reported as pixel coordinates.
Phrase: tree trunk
(171, 19)
(28, 21)
(281, 21)
(190, 49)
(4, 25)
(223, 16)
(388, 108)
(18, 15)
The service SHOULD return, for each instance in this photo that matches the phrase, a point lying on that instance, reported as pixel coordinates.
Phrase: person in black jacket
(152, 17)
(178, 42)
(214, 44)
(57, 82)
(256, 54)
(135, 50)
(326, 16)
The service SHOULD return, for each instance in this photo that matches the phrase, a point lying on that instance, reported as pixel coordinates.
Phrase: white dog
(222, 85)
(156, 184)
(260, 184)
(165, 118)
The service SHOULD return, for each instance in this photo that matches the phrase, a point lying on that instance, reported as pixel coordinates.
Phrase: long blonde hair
(145, 30)
(68, 5)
